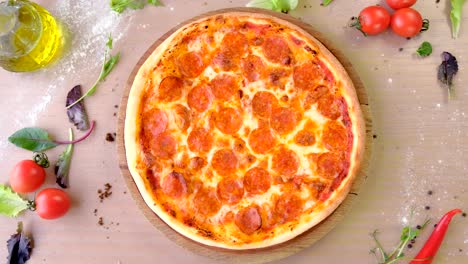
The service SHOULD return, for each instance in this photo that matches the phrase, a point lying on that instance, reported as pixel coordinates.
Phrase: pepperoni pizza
(243, 131)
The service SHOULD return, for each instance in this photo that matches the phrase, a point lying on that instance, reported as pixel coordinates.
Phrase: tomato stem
(356, 23)
(79, 139)
(32, 205)
(425, 25)
(40, 158)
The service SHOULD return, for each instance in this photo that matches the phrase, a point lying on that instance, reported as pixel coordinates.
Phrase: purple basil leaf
(447, 69)
(19, 247)
(77, 113)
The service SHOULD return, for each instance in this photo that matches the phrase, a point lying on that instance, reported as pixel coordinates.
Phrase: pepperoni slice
(200, 98)
(224, 162)
(285, 162)
(248, 220)
(305, 138)
(334, 136)
(174, 185)
(276, 50)
(263, 103)
(307, 75)
(288, 208)
(154, 123)
(226, 61)
(252, 67)
(170, 89)
(206, 203)
(330, 165)
(268, 217)
(329, 106)
(314, 94)
(257, 181)
(235, 43)
(228, 120)
(191, 64)
(261, 140)
(283, 120)
(197, 163)
(224, 87)
(164, 146)
(182, 117)
(230, 190)
(200, 140)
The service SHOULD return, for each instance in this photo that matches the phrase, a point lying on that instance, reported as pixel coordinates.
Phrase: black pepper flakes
(100, 221)
(400, 49)
(106, 193)
(374, 136)
(410, 245)
(427, 207)
(429, 192)
(418, 227)
(464, 214)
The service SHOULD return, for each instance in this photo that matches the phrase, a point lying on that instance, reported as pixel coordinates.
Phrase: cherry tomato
(373, 20)
(399, 4)
(52, 203)
(406, 22)
(26, 176)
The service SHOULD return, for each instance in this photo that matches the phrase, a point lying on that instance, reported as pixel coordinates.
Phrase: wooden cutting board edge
(271, 253)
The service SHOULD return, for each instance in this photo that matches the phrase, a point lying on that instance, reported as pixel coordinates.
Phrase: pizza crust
(348, 91)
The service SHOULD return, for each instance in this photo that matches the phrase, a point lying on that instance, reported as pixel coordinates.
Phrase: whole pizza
(243, 131)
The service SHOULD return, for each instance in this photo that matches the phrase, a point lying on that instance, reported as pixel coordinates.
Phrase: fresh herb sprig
(38, 140)
(407, 234)
(425, 49)
(276, 5)
(11, 204)
(107, 67)
(121, 5)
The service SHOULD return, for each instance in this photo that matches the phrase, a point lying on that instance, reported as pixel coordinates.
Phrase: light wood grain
(260, 255)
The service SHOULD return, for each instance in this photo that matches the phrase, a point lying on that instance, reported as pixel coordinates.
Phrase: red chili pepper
(429, 250)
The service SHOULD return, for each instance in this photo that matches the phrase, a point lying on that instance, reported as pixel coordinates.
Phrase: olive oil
(35, 40)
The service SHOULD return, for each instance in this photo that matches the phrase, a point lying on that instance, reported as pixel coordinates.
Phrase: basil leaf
(265, 4)
(108, 66)
(275, 5)
(425, 49)
(77, 113)
(11, 204)
(456, 16)
(19, 247)
(33, 139)
(62, 167)
(121, 5)
(326, 2)
(448, 68)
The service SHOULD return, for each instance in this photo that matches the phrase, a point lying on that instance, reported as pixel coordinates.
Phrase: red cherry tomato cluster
(405, 22)
(27, 176)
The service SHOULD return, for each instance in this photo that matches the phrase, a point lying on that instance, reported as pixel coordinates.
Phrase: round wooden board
(259, 255)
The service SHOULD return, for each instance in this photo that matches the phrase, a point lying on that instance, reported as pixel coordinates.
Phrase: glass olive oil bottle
(30, 37)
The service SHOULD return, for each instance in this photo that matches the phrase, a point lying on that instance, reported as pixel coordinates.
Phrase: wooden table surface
(420, 144)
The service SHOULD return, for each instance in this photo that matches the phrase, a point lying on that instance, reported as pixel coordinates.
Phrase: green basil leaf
(287, 5)
(33, 139)
(11, 204)
(425, 49)
(155, 2)
(265, 4)
(326, 2)
(456, 16)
